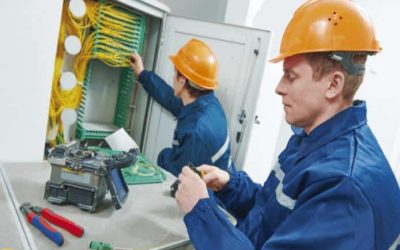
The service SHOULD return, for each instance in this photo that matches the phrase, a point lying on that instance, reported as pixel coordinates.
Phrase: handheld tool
(174, 186)
(37, 215)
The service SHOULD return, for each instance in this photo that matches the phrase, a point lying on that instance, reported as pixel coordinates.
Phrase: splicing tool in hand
(37, 215)
(174, 186)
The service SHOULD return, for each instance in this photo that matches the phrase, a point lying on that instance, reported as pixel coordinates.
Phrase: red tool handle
(62, 222)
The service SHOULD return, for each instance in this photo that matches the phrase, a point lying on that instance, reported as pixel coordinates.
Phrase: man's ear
(181, 80)
(336, 85)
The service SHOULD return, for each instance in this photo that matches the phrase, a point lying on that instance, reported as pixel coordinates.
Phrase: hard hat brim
(278, 58)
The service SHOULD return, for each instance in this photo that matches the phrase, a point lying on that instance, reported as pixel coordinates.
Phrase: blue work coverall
(201, 135)
(331, 189)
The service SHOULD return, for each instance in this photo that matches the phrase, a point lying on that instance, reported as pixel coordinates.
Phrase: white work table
(149, 219)
(10, 230)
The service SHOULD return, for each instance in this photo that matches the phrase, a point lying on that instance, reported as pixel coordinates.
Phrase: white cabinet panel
(241, 54)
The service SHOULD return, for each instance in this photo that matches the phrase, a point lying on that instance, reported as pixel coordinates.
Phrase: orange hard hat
(328, 25)
(196, 61)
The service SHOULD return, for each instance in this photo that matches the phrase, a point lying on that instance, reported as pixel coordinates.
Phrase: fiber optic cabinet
(241, 53)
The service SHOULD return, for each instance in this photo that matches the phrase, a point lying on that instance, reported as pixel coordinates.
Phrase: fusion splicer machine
(82, 176)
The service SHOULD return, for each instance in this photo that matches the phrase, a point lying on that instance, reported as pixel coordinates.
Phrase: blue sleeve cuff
(231, 187)
(208, 228)
(142, 76)
(201, 211)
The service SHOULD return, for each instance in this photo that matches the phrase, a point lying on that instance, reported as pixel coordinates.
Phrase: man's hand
(136, 62)
(214, 177)
(191, 189)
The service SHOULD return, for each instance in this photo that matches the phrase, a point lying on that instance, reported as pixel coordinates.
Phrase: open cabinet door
(241, 53)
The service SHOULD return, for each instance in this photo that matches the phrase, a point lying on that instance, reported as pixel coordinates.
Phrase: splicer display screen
(118, 181)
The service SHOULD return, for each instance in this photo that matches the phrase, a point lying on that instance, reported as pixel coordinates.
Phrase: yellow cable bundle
(111, 42)
(111, 52)
(114, 31)
(54, 120)
(91, 11)
(73, 27)
(61, 99)
(120, 26)
(54, 125)
(117, 20)
(83, 58)
(76, 26)
(103, 43)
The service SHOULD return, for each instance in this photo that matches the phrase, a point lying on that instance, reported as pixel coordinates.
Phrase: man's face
(303, 98)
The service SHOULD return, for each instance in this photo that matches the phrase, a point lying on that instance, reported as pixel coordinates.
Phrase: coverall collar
(344, 121)
(200, 102)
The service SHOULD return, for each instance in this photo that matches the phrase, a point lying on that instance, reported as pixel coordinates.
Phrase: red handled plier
(37, 215)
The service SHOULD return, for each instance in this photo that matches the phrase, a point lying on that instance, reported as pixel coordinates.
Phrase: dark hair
(193, 91)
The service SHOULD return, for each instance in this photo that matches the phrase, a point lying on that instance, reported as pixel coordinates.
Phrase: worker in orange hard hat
(201, 134)
(332, 187)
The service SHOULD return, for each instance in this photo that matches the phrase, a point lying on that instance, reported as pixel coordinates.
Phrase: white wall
(270, 135)
(380, 87)
(28, 44)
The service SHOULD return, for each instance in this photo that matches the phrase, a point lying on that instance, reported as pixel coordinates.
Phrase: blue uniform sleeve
(160, 91)
(239, 194)
(332, 214)
(192, 149)
(209, 228)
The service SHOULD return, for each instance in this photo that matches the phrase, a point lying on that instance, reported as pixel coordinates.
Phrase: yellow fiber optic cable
(107, 33)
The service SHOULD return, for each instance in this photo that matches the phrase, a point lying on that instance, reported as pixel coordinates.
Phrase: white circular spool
(77, 8)
(68, 118)
(72, 45)
(67, 80)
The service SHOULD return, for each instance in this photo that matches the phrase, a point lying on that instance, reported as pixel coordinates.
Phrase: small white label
(120, 140)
